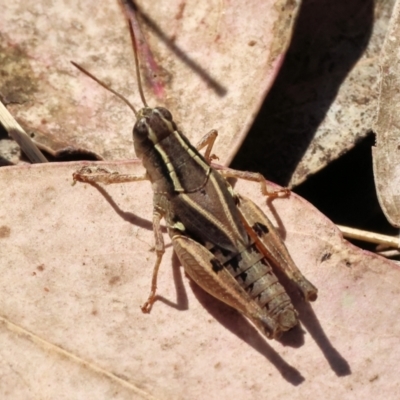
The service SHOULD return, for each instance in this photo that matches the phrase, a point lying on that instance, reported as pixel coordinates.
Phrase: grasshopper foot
(146, 307)
(284, 192)
(90, 174)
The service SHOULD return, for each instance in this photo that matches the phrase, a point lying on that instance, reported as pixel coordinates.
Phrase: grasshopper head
(152, 126)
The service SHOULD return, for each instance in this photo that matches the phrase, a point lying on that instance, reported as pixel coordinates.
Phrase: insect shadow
(243, 329)
(309, 320)
(125, 215)
(307, 315)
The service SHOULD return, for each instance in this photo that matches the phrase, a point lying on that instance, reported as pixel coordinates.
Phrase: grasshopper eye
(165, 113)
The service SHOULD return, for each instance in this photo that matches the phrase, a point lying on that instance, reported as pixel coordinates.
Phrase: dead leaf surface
(76, 265)
(387, 127)
(217, 60)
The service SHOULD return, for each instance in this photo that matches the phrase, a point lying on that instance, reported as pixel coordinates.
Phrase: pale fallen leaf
(387, 127)
(217, 61)
(76, 265)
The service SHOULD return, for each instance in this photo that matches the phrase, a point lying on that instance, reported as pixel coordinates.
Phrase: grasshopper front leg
(105, 176)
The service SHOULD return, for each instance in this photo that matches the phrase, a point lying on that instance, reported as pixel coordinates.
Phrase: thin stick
(16, 132)
(388, 253)
(370, 237)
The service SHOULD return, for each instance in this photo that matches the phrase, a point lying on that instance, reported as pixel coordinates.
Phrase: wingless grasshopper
(224, 241)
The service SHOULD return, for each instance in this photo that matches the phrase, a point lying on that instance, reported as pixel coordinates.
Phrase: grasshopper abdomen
(254, 274)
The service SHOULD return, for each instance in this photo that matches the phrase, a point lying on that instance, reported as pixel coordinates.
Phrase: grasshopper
(224, 241)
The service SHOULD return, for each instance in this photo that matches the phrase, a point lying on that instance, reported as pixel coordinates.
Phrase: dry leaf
(217, 62)
(76, 265)
(386, 152)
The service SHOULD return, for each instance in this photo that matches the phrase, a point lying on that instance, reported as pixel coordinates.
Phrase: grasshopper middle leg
(254, 177)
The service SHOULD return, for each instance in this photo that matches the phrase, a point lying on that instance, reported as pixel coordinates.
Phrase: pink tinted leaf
(76, 265)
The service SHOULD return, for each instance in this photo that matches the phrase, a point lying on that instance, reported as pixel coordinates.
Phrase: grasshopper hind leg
(272, 245)
(204, 269)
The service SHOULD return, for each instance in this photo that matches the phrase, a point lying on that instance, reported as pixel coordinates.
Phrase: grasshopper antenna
(135, 52)
(105, 86)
